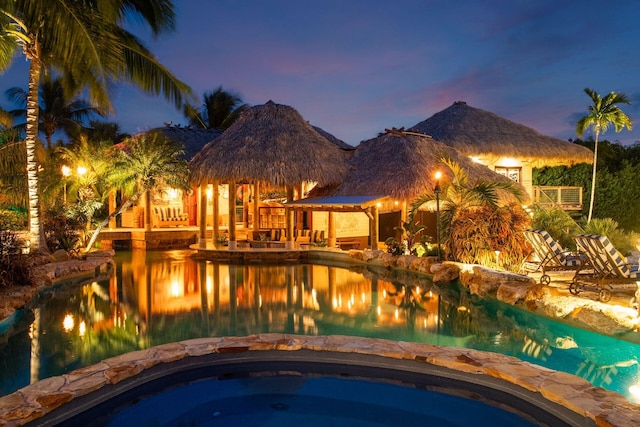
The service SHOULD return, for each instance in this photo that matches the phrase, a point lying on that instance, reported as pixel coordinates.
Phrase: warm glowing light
(209, 285)
(82, 329)
(209, 192)
(379, 205)
(475, 159)
(509, 162)
(364, 298)
(438, 175)
(68, 323)
(82, 170)
(396, 203)
(335, 303)
(173, 193)
(352, 300)
(379, 310)
(176, 289)
(635, 391)
(397, 314)
(66, 170)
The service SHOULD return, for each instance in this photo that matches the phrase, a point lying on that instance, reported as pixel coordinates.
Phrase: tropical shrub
(13, 263)
(621, 240)
(557, 223)
(63, 231)
(489, 236)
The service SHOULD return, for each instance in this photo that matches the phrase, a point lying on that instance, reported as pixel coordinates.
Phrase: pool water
(166, 296)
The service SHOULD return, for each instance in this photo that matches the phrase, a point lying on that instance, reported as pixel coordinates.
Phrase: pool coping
(603, 407)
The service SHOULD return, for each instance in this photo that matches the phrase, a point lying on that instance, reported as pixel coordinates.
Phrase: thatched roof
(340, 143)
(402, 165)
(479, 133)
(192, 138)
(270, 143)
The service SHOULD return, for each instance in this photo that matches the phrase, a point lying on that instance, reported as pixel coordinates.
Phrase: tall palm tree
(87, 44)
(219, 110)
(59, 110)
(139, 166)
(602, 113)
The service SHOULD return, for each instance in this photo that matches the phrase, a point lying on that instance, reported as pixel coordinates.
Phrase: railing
(566, 198)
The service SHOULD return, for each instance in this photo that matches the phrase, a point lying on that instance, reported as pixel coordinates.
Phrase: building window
(511, 173)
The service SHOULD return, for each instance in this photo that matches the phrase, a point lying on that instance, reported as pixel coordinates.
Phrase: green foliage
(479, 218)
(621, 240)
(412, 239)
(13, 263)
(63, 231)
(557, 223)
(617, 190)
(476, 234)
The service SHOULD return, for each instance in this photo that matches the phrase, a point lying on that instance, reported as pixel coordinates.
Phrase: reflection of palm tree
(219, 110)
(602, 113)
(87, 45)
(58, 110)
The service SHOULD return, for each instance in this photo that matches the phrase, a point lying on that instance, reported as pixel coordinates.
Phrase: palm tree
(219, 110)
(461, 200)
(58, 109)
(87, 44)
(139, 166)
(603, 113)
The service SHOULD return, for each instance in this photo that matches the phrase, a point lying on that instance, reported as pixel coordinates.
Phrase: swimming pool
(161, 297)
(311, 388)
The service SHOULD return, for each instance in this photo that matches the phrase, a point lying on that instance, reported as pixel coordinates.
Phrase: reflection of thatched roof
(479, 133)
(269, 143)
(192, 138)
(402, 165)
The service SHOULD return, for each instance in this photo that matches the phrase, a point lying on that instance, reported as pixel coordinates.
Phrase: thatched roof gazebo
(394, 169)
(273, 144)
(402, 165)
(481, 134)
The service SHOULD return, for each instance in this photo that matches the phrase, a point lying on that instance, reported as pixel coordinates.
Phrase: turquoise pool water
(159, 297)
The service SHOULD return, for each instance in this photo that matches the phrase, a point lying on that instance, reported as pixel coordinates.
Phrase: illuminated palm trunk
(36, 230)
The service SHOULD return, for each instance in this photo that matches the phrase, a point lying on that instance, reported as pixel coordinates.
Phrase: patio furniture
(548, 255)
(609, 268)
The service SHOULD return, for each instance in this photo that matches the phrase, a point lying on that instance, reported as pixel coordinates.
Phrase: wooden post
(232, 215)
(202, 216)
(215, 206)
(256, 208)
(289, 213)
(331, 233)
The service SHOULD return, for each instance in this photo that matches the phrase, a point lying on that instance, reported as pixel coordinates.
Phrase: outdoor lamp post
(437, 191)
(66, 171)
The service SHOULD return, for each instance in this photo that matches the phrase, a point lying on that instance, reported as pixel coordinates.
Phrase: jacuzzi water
(160, 297)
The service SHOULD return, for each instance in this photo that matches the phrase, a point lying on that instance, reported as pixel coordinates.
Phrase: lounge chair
(548, 255)
(609, 268)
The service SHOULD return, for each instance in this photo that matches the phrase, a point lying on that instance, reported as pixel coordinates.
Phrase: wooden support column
(331, 233)
(215, 207)
(289, 213)
(202, 216)
(374, 226)
(256, 208)
(232, 215)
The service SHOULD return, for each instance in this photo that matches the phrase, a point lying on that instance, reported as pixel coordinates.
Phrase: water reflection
(159, 297)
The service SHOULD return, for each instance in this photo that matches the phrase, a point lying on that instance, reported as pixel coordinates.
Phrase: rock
(513, 292)
(404, 261)
(388, 260)
(60, 255)
(483, 281)
(445, 272)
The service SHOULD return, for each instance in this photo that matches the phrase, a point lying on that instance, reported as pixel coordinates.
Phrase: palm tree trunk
(104, 223)
(36, 229)
(147, 211)
(593, 177)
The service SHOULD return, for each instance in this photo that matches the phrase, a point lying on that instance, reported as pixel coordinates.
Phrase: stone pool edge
(604, 407)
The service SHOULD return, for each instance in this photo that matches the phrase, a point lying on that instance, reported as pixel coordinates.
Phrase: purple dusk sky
(356, 67)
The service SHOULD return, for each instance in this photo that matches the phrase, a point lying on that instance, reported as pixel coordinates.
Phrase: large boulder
(445, 272)
(484, 281)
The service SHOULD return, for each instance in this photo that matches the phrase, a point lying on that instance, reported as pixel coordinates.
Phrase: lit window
(512, 173)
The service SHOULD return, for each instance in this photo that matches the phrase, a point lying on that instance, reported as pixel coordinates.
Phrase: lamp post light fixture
(66, 171)
(437, 191)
